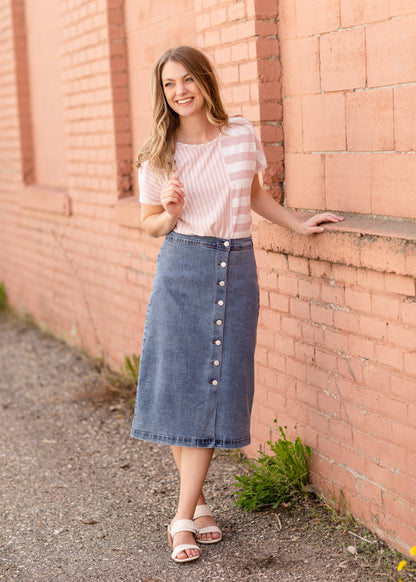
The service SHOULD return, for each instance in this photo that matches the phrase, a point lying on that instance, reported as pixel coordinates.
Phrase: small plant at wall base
(407, 572)
(112, 387)
(279, 477)
(130, 370)
(337, 508)
(3, 298)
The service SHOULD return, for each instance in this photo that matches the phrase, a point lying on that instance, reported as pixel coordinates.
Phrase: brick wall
(349, 92)
(336, 358)
(337, 337)
(330, 91)
(241, 39)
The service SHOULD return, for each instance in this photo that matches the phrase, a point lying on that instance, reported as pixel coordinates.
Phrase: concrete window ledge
(46, 199)
(128, 212)
(385, 245)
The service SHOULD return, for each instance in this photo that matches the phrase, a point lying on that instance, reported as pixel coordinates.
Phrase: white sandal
(201, 511)
(176, 527)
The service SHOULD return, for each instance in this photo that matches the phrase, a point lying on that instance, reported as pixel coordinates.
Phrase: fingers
(333, 217)
(328, 217)
(175, 182)
(174, 186)
(311, 226)
(172, 196)
(324, 217)
(166, 202)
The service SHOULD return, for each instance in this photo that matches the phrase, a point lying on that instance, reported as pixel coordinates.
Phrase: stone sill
(46, 199)
(385, 245)
(128, 212)
(359, 241)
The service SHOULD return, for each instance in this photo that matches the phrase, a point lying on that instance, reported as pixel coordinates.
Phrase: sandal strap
(201, 511)
(209, 529)
(183, 547)
(182, 525)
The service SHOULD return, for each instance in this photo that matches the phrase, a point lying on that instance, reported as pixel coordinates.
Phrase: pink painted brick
(324, 122)
(317, 17)
(393, 172)
(391, 46)
(356, 12)
(299, 265)
(400, 284)
(312, 332)
(301, 66)
(358, 301)
(299, 308)
(389, 356)
(401, 7)
(342, 57)
(288, 284)
(305, 181)
(349, 322)
(369, 118)
(405, 117)
(344, 174)
(279, 302)
(410, 363)
(322, 315)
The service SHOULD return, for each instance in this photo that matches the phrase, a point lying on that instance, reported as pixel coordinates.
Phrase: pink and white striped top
(217, 178)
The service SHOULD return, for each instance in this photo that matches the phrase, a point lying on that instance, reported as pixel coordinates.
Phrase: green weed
(337, 508)
(279, 477)
(3, 298)
(130, 370)
(111, 387)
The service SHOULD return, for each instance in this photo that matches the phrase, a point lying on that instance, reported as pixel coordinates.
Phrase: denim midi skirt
(196, 376)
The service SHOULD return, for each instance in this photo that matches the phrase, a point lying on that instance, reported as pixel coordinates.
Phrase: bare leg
(205, 520)
(177, 455)
(194, 465)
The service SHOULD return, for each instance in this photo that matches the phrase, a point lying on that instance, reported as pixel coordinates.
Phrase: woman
(198, 178)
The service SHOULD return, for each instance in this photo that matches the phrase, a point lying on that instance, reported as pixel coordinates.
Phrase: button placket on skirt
(220, 304)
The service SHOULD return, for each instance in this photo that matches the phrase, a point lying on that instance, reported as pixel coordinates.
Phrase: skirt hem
(198, 443)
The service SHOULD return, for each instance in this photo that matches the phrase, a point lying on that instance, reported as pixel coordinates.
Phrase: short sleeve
(150, 184)
(247, 141)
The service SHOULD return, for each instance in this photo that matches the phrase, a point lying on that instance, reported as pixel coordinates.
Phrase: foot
(208, 530)
(206, 521)
(181, 536)
(185, 537)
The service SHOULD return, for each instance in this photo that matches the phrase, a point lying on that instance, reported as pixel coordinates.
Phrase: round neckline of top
(199, 144)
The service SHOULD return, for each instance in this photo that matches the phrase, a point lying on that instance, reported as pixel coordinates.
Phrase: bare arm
(262, 203)
(159, 220)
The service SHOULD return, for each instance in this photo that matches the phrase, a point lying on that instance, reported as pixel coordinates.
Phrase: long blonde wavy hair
(160, 148)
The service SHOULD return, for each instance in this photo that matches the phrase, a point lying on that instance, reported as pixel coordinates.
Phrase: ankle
(182, 515)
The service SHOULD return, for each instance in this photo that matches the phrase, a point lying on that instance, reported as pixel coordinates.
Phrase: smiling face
(182, 93)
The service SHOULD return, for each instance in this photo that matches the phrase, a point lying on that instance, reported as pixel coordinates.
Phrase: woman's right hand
(172, 197)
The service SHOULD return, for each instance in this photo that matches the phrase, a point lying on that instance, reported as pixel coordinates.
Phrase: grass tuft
(4, 305)
(113, 387)
(279, 477)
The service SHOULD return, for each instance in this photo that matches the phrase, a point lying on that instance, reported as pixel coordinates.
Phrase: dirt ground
(80, 500)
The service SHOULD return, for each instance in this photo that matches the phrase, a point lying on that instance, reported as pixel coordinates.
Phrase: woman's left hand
(312, 225)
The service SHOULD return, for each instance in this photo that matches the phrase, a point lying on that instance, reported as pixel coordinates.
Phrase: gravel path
(81, 500)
